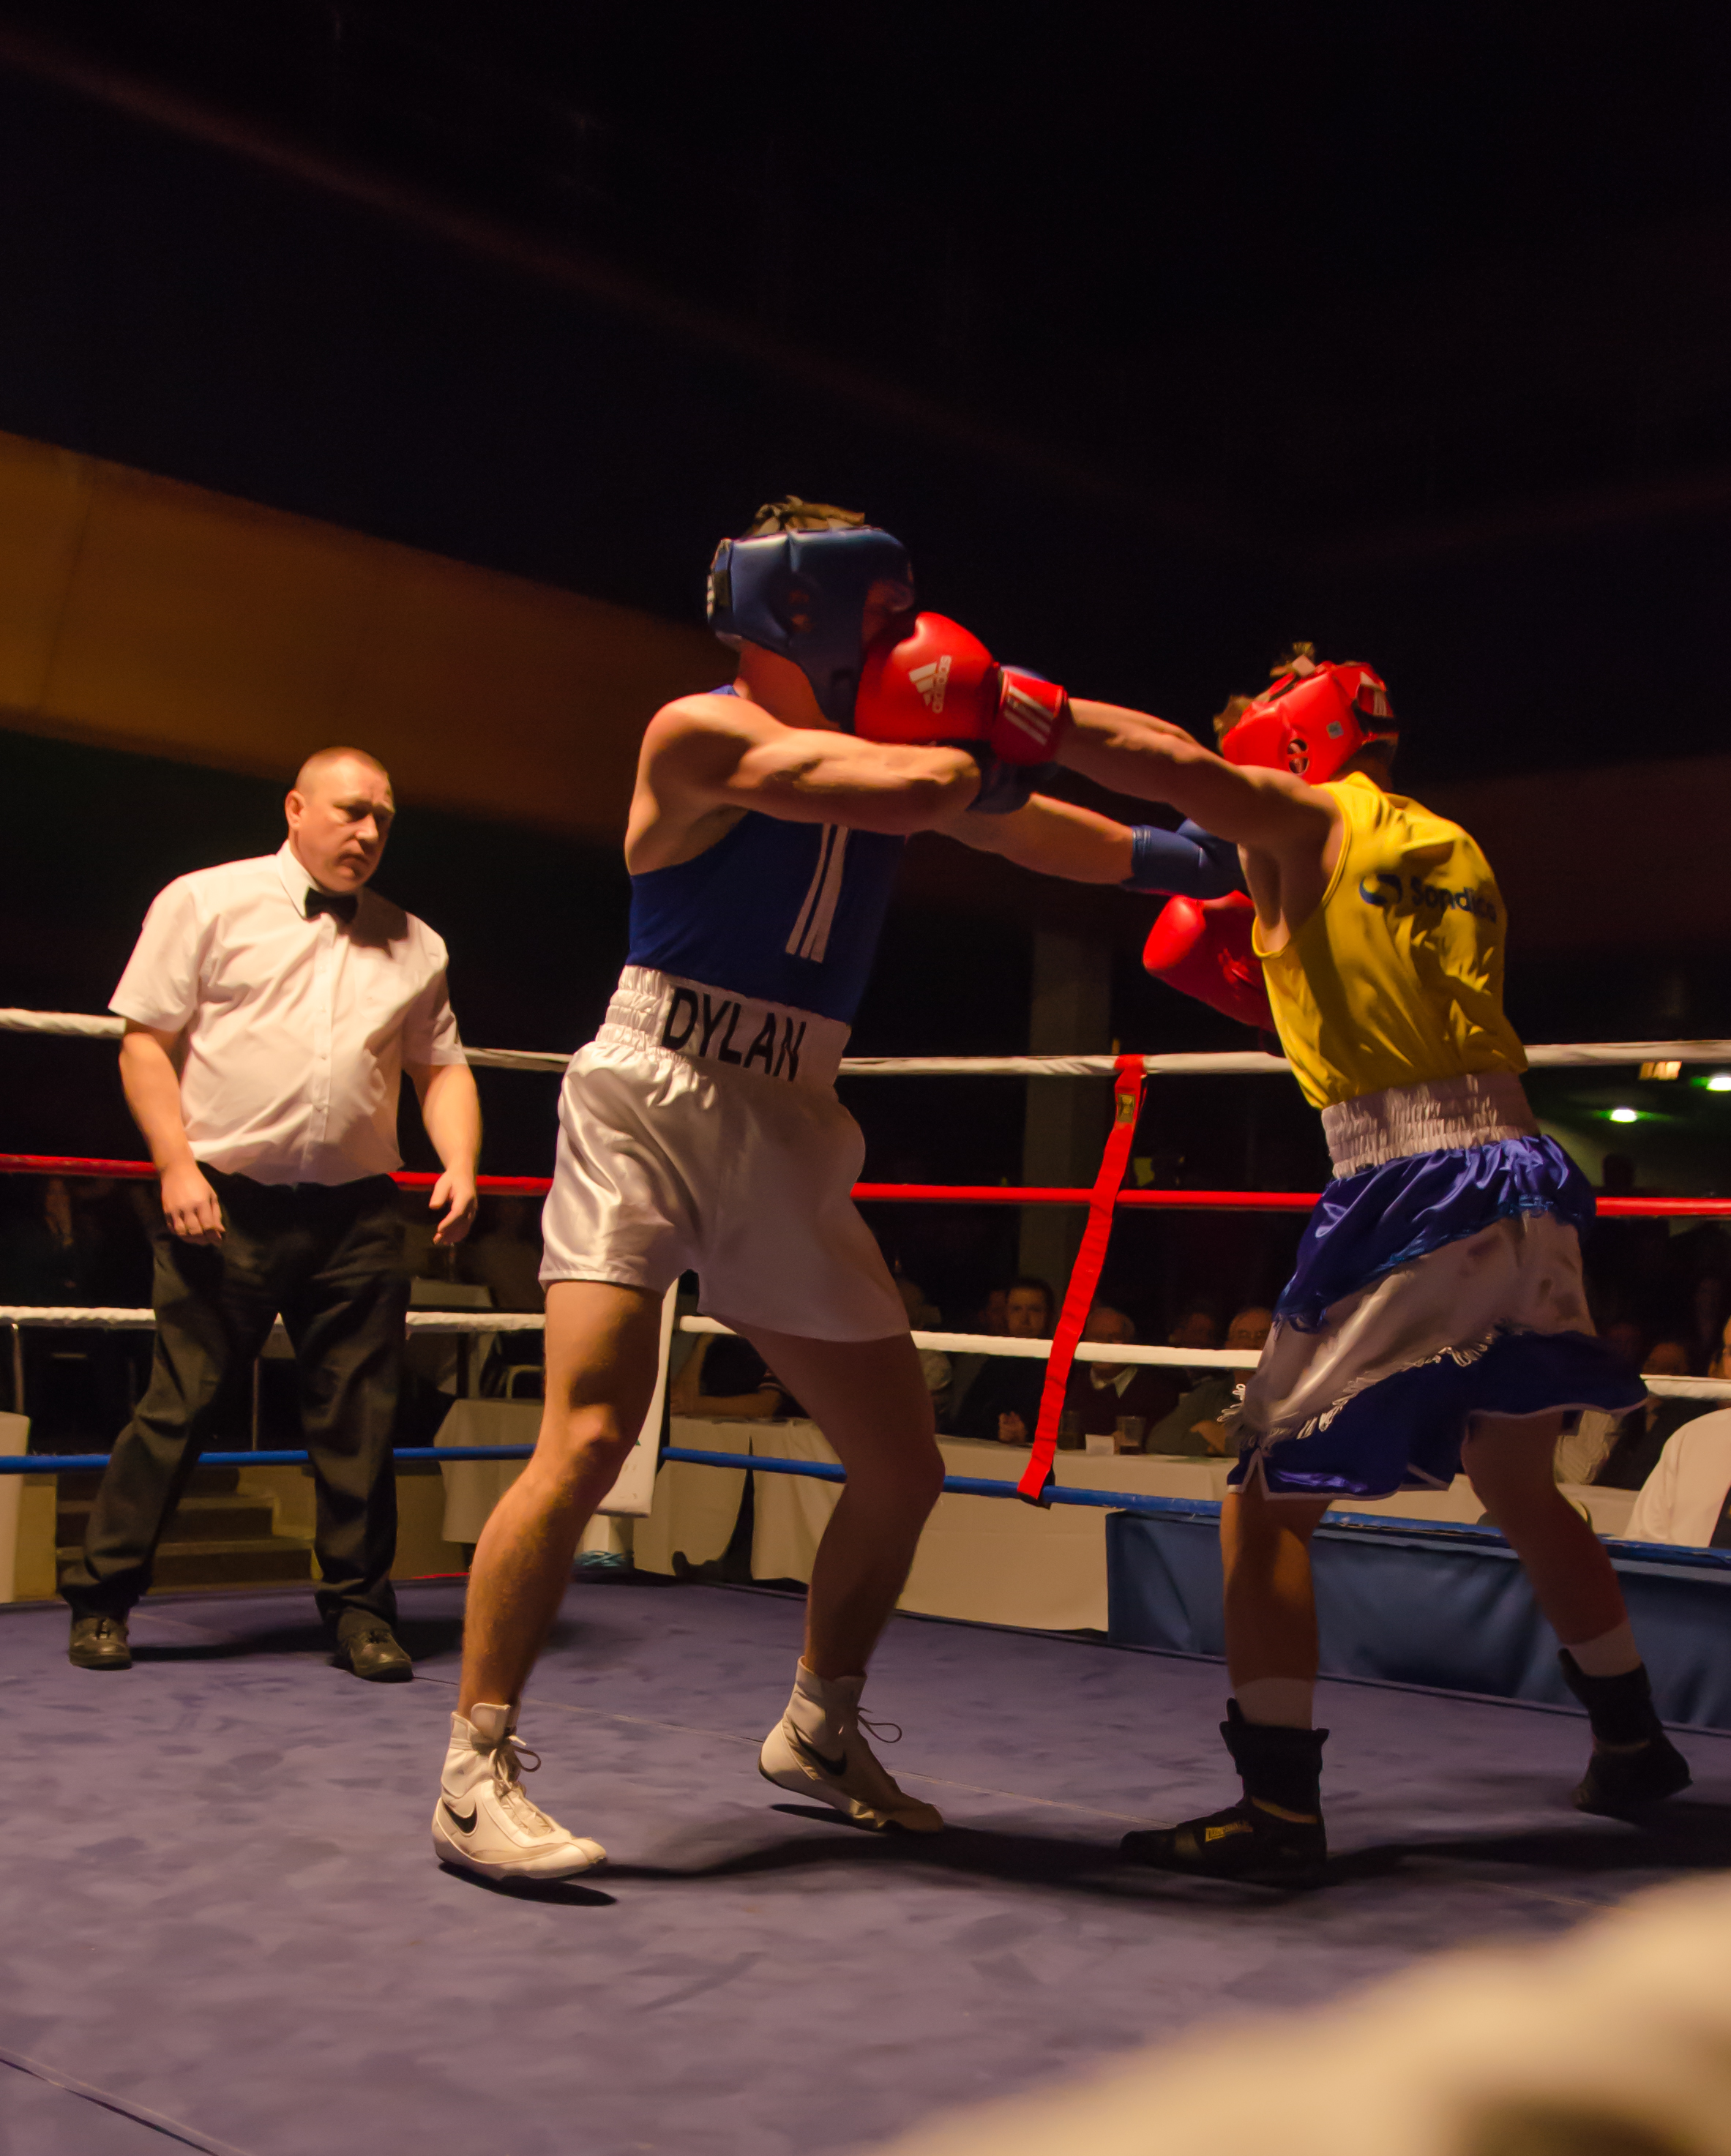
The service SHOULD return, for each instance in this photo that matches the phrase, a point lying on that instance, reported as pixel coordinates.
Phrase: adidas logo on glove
(1036, 710)
(930, 682)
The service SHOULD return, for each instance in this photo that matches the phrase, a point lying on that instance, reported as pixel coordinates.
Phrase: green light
(1624, 1115)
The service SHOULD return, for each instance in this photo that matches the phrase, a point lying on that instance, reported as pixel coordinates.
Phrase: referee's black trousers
(329, 1260)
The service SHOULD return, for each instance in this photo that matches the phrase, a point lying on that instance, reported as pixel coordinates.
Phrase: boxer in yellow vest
(1436, 1320)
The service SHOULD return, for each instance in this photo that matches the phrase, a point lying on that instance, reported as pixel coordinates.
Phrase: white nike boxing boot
(816, 1750)
(483, 1823)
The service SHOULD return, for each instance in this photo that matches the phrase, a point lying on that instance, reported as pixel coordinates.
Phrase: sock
(1613, 1653)
(821, 1708)
(1277, 1702)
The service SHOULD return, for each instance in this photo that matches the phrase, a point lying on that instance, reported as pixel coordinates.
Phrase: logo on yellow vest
(1387, 890)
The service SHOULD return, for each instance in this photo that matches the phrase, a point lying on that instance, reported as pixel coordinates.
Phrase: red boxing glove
(938, 683)
(1204, 948)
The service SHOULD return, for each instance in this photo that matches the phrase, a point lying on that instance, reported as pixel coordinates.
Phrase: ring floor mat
(224, 1928)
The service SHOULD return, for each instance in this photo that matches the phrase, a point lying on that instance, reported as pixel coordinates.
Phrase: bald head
(317, 773)
(339, 814)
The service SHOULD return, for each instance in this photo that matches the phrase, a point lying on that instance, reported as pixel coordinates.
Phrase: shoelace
(511, 1757)
(885, 1732)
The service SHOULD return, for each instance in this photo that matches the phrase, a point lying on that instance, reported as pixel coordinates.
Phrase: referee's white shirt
(296, 1030)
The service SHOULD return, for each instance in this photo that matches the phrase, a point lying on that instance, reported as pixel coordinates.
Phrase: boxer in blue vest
(701, 1129)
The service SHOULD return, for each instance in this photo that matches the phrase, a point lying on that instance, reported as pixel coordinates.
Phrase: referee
(271, 1006)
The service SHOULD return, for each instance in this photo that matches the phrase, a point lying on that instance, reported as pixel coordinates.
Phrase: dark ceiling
(1406, 327)
(1344, 264)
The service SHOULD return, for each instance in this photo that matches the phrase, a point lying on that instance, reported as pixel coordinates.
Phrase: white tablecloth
(993, 1560)
(14, 1437)
(472, 1487)
(990, 1560)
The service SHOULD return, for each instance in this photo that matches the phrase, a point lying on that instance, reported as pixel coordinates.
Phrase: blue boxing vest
(785, 913)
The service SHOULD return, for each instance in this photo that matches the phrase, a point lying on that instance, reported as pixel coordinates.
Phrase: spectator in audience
(1584, 1453)
(1685, 1498)
(1624, 1258)
(1002, 1403)
(506, 1257)
(1707, 1300)
(1626, 1337)
(726, 1379)
(115, 1229)
(1641, 1436)
(1194, 1426)
(925, 1317)
(1197, 1326)
(992, 1315)
(46, 1252)
(1103, 1392)
(55, 1251)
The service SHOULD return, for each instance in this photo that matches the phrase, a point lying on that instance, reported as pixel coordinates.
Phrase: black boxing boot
(1634, 1763)
(1275, 1837)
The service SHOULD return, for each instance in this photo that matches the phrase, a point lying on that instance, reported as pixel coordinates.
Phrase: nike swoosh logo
(467, 1825)
(834, 1769)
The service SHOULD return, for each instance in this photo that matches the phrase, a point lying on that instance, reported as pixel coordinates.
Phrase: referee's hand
(456, 1194)
(190, 1205)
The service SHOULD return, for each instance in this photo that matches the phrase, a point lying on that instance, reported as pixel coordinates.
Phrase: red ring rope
(927, 1193)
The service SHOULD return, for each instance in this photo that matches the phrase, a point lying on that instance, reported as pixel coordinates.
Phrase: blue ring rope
(1660, 1556)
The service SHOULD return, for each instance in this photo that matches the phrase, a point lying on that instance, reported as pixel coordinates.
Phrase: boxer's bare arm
(1289, 833)
(1054, 838)
(706, 760)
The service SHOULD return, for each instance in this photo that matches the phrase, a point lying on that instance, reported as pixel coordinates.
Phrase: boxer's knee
(907, 1476)
(579, 1444)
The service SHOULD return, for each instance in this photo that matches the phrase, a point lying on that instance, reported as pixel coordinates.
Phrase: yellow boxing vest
(1397, 976)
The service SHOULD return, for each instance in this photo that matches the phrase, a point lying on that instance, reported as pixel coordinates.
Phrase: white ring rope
(98, 1318)
(89, 1025)
(1225, 1063)
(1036, 1350)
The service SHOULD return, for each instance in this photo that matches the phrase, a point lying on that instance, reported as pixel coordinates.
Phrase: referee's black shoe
(100, 1643)
(373, 1651)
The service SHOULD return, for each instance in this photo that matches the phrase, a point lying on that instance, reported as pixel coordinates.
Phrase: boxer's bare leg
(1275, 1834)
(868, 1398)
(1510, 1467)
(1633, 1764)
(602, 1350)
(1271, 1609)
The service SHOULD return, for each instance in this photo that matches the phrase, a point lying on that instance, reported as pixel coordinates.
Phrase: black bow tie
(342, 904)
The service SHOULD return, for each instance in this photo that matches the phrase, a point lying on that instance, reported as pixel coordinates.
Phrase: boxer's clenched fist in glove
(1204, 948)
(938, 685)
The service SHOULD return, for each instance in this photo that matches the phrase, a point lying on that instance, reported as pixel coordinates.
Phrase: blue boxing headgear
(802, 595)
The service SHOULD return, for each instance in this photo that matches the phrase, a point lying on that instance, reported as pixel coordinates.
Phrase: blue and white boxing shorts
(701, 1130)
(1439, 1279)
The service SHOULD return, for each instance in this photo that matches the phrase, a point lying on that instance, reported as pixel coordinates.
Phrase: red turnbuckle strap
(1084, 1276)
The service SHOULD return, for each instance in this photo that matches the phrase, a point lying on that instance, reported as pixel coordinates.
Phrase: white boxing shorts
(700, 1130)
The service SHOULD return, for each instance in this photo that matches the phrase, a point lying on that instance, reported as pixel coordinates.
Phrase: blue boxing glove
(1188, 863)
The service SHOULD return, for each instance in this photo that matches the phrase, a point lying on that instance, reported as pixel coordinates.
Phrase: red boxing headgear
(1312, 720)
